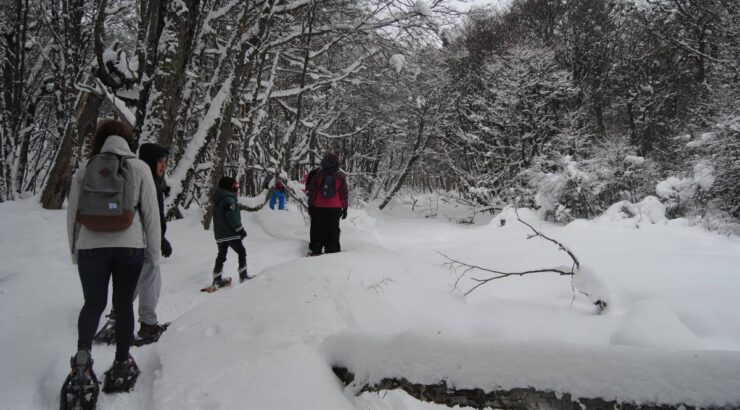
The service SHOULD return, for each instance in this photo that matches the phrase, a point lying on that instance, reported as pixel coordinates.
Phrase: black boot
(243, 275)
(121, 377)
(81, 388)
(149, 333)
(107, 333)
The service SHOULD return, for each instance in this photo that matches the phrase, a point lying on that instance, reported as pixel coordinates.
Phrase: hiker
(228, 230)
(150, 280)
(276, 191)
(328, 200)
(113, 226)
(278, 194)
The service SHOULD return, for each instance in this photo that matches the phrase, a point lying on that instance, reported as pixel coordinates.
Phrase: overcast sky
(466, 4)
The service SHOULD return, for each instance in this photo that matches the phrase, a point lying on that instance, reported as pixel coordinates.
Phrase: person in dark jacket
(228, 230)
(150, 280)
(328, 201)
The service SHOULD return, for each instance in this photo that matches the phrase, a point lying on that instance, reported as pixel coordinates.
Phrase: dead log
(512, 399)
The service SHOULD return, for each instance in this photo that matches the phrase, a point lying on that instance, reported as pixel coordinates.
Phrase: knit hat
(330, 160)
(226, 183)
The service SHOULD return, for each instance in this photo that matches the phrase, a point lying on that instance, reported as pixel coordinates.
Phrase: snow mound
(508, 216)
(423, 8)
(397, 61)
(589, 283)
(650, 324)
(624, 213)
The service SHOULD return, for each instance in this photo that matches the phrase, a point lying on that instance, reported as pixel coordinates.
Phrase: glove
(166, 248)
(242, 234)
(344, 213)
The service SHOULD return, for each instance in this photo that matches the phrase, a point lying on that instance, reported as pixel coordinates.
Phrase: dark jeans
(238, 247)
(325, 230)
(96, 266)
(313, 235)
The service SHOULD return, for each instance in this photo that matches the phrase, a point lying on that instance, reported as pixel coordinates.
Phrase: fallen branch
(456, 265)
(562, 247)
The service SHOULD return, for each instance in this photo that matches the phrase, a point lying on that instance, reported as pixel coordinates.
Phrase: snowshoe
(81, 388)
(218, 283)
(149, 333)
(121, 377)
(107, 333)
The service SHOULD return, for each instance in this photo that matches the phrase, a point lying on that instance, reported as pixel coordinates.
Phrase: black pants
(238, 247)
(325, 230)
(313, 236)
(96, 266)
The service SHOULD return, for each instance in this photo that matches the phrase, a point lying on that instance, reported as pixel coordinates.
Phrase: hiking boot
(149, 332)
(121, 377)
(243, 274)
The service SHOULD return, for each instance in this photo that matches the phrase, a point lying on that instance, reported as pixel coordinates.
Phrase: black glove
(166, 248)
(242, 234)
(344, 213)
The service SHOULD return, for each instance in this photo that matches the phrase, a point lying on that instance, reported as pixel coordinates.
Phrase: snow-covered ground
(387, 307)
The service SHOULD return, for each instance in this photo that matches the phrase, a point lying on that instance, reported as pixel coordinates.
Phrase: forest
(567, 106)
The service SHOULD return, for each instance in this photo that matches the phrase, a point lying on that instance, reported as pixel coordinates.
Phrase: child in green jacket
(228, 230)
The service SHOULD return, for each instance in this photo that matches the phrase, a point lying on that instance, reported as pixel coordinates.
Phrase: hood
(330, 162)
(151, 154)
(226, 183)
(117, 145)
(221, 194)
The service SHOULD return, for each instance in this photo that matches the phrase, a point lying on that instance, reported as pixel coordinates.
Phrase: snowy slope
(386, 306)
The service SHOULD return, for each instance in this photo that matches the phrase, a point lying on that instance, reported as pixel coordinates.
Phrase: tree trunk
(421, 142)
(241, 67)
(150, 29)
(175, 42)
(61, 173)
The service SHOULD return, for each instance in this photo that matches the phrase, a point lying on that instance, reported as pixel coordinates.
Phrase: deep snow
(387, 306)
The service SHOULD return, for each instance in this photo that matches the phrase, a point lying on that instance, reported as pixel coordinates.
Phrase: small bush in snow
(584, 189)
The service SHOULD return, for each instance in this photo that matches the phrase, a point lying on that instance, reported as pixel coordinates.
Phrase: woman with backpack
(328, 200)
(113, 226)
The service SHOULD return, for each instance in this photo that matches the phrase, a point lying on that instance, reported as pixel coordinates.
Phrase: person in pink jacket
(328, 200)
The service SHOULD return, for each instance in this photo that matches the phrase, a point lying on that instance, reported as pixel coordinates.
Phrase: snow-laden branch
(187, 162)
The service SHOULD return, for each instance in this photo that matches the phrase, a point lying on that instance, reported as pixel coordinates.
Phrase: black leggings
(96, 266)
(238, 247)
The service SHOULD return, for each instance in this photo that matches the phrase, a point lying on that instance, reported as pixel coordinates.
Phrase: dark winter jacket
(151, 154)
(227, 221)
(340, 199)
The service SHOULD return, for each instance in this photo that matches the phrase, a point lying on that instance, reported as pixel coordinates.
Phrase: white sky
(467, 4)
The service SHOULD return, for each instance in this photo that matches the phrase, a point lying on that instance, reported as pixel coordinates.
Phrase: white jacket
(145, 231)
